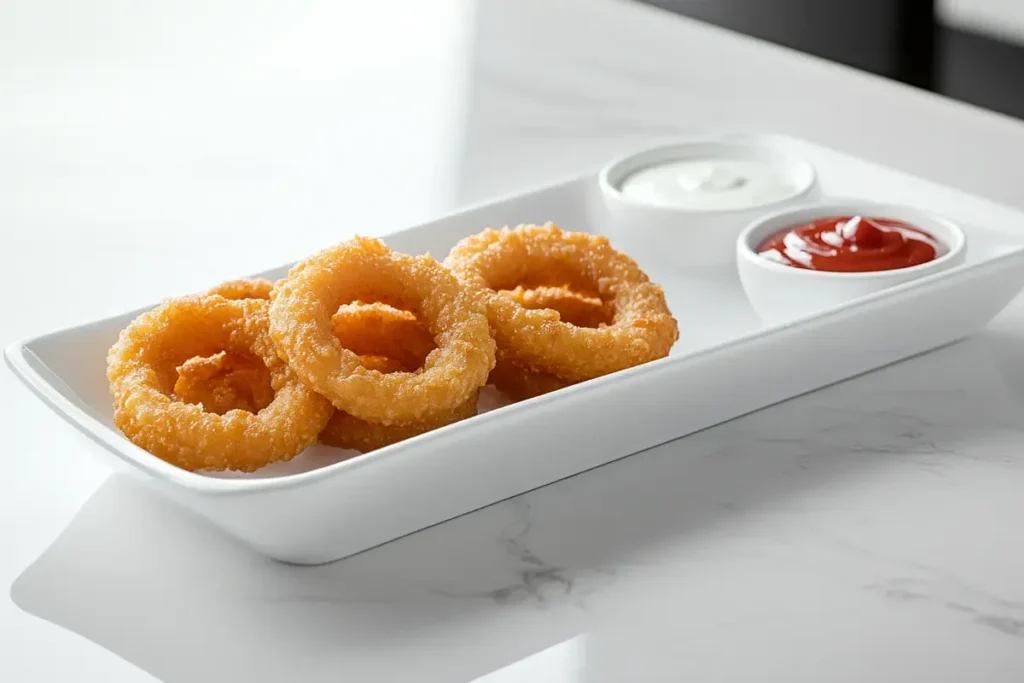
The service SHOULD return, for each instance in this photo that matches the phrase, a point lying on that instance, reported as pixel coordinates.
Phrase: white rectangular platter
(726, 363)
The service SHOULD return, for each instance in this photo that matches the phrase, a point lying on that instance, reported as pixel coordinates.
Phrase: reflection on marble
(860, 532)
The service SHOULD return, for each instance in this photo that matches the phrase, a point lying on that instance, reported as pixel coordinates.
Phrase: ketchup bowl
(803, 261)
(684, 204)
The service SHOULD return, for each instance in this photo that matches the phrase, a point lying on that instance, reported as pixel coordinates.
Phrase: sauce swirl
(851, 244)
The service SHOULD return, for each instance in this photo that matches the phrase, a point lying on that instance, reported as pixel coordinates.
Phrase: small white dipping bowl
(780, 293)
(696, 236)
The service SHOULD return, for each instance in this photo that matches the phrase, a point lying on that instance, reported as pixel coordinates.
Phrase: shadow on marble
(159, 587)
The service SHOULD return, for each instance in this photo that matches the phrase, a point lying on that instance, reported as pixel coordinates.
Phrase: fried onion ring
(367, 270)
(223, 382)
(642, 327)
(141, 368)
(244, 289)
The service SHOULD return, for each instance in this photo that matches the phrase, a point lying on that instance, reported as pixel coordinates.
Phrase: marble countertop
(863, 532)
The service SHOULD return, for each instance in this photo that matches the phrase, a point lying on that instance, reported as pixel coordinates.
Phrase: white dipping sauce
(712, 184)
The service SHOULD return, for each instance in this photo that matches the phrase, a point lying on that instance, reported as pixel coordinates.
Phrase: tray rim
(17, 356)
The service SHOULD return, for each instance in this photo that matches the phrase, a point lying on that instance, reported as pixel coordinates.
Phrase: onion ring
(223, 382)
(366, 270)
(244, 289)
(141, 370)
(642, 327)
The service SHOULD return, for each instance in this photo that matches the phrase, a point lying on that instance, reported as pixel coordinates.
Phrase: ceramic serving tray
(325, 505)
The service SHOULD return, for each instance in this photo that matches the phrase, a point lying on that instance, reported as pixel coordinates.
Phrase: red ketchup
(851, 244)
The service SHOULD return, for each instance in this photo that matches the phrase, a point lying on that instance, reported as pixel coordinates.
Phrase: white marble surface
(867, 531)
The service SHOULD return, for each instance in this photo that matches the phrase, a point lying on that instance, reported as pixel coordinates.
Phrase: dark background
(899, 39)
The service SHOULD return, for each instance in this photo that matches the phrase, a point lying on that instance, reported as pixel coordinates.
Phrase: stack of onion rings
(360, 347)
